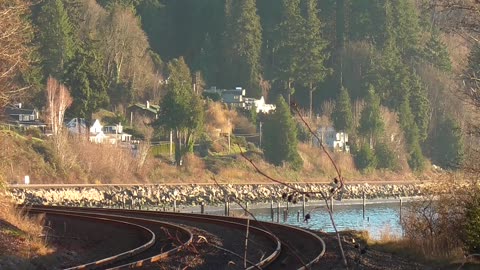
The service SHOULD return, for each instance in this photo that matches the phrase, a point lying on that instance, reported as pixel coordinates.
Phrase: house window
(32, 117)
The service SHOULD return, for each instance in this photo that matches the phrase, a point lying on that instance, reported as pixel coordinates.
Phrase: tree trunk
(178, 150)
(311, 101)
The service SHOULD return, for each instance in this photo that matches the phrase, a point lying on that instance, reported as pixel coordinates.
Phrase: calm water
(379, 217)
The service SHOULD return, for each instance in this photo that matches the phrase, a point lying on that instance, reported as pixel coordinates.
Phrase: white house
(96, 133)
(259, 104)
(336, 141)
(236, 98)
(115, 134)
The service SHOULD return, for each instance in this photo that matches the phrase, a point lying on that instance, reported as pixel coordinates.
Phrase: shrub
(204, 145)
(385, 157)
(365, 158)
(416, 161)
(472, 225)
(303, 134)
(34, 132)
(237, 140)
(45, 151)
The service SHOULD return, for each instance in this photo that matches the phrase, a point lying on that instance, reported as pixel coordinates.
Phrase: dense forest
(371, 59)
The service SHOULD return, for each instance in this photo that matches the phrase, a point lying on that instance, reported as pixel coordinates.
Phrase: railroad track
(270, 245)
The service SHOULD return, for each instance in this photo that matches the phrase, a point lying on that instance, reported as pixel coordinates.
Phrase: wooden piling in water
(278, 212)
(271, 209)
(363, 205)
(303, 205)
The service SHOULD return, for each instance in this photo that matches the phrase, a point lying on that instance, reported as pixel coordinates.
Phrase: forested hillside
(386, 72)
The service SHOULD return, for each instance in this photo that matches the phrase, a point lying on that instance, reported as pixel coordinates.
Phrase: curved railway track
(270, 245)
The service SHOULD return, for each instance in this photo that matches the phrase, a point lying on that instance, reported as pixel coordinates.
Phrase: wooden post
(298, 216)
(226, 207)
(303, 205)
(401, 209)
(278, 212)
(271, 209)
(246, 208)
(363, 205)
(331, 204)
(171, 143)
(175, 205)
(202, 208)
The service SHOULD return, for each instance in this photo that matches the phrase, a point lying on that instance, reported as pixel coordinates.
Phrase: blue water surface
(380, 218)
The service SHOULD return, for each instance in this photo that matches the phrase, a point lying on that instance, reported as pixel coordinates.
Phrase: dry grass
(317, 162)
(28, 231)
(219, 119)
(104, 163)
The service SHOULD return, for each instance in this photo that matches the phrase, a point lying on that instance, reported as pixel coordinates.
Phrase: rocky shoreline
(191, 195)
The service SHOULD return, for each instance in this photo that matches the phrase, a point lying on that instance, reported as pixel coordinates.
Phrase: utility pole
(171, 143)
(260, 131)
(229, 142)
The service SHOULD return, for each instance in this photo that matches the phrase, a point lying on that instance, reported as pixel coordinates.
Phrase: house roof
(18, 111)
(152, 108)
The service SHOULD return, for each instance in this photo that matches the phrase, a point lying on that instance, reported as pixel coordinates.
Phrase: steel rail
(238, 223)
(270, 259)
(110, 259)
(284, 227)
(149, 259)
(264, 263)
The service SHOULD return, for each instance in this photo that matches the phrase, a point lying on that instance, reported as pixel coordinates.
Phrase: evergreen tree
(436, 52)
(385, 157)
(410, 129)
(472, 75)
(57, 45)
(342, 116)
(288, 38)
(87, 82)
(280, 137)
(472, 223)
(420, 106)
(406, 26)
(312, 69)
(206, 61)
(416, 160)
(243, 45)
(181, 109)
(365, 158)
(371, 123)
(388, 73)
(367, 21)
(448, 149)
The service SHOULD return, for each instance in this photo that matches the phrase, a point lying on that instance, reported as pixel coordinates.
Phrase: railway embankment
(190, 195)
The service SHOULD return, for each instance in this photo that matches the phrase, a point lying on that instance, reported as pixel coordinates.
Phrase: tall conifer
(243, 45)
(342, 116)
(313, 54)
(56, 38)
(280, 137)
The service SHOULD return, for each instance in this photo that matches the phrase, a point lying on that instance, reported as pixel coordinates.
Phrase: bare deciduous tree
(58, 100)
(459, 16)
(146, 129)
(126, 48)
(14, 37)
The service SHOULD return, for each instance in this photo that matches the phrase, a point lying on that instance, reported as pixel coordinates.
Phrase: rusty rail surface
(295, 248)
(128, 259)
(110, 259)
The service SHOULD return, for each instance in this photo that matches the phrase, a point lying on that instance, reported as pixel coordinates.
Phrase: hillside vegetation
(381, 71)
